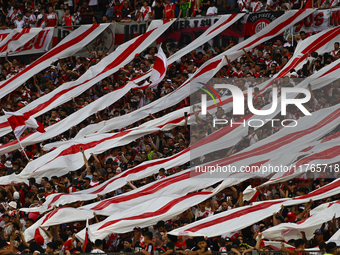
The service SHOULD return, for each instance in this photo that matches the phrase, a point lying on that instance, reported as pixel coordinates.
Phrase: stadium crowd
(251, 69)
(53, 13)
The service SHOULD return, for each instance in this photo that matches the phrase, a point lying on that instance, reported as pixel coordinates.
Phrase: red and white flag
(159, 70)
(87, 238)
(19, 123)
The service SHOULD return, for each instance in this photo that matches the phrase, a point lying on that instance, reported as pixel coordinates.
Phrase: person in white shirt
(19, 22)
(244, 5)
(145, 11)
(290, 42)
(272, 5)
(98, 247)
(212, 10)
(257, 6)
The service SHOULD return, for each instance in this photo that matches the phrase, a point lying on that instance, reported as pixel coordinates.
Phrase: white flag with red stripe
(159, 69)
(287, 231)
(242, 217)
(20, 122)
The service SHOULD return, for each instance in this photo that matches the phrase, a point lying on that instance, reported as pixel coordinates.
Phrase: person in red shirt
(52, 18)
(169, 10)
(68, 19)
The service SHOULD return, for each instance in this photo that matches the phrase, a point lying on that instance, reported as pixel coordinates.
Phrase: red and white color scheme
(158, 71)
(106, 67)
(108, 99)
(204, 73)
(17, 38)
(70, 45)
(242, 217)
(289, 231)
(260, 153)
(39, 43)
(20, 122)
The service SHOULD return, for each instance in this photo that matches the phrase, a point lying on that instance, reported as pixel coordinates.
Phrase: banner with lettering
(257, 21)
(38, 44)
(318, 21)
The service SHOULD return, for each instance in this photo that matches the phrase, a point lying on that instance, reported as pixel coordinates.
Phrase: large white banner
(69, 46)
(40, 43)
(17, 38)
(101, 103)
(319, 20)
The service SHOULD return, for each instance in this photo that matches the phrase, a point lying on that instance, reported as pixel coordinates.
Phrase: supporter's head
(98, 244)
(201, 243)
(170, 246)
(50, 248)
(221, 242)
(273, 67)
(137, 231)
(44, 181)
(158, 239)
(148, 236)
(318, 235)
(29, 222)
(12, 205)
(127, 243)
(300, 244)
(49, 187)
(243, 247)
(331, 248)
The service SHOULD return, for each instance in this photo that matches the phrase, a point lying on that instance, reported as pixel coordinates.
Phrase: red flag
(20, 122)
(86, 235)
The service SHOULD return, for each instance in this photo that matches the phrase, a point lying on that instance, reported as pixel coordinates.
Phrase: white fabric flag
(17, 38)
(19, 123)
(245, 216)
(287, 231)
(68, 46)
(262, 153)
(203, 74)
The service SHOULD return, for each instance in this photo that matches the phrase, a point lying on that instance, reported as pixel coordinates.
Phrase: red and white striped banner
(321, 42)
(70, 45)
(203, 74)
(17, 38)
(242, 217)
(287, 231)
(100, 104)
(224, 22)
(107, 66)
(39, 43)
(176, 185)
(261, 153)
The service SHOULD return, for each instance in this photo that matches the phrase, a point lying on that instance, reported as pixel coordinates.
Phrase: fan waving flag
(158, 72)
(87, 238)
(20, 122)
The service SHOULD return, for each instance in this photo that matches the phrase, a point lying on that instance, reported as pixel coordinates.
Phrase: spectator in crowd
(86, 13)
(260, 62)
(52, 18)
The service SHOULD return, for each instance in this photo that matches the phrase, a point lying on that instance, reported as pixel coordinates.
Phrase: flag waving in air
(20, 122)
(158, 72)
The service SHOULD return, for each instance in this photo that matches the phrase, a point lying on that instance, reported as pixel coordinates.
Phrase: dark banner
(257, 21)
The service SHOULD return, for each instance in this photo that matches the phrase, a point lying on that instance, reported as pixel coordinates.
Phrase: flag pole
(17, 139)
(22, 148)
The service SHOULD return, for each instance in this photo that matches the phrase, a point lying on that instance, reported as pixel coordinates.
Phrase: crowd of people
(250, 70)
(53, 13)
